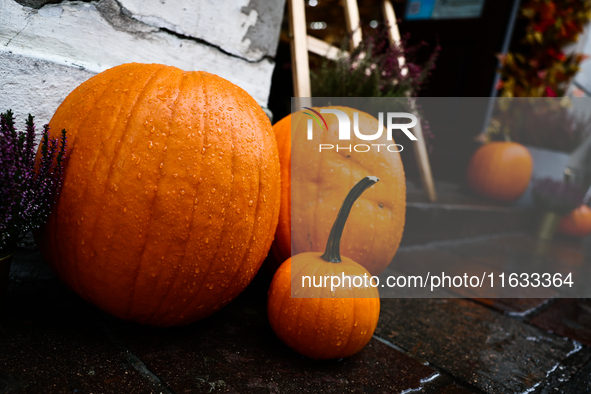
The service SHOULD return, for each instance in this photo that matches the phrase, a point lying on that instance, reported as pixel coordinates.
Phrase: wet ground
(53, 342)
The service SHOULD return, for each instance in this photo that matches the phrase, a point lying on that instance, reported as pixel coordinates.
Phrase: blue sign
(443, 9)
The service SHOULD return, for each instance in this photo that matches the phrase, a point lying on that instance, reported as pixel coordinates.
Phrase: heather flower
(373, 69)
(27, 190)
(557, 196)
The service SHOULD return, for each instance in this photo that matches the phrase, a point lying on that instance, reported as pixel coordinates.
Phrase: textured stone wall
(48, 47)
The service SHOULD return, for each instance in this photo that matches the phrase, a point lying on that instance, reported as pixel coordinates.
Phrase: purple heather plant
(373, 69)
(27, 191)
(557, 196)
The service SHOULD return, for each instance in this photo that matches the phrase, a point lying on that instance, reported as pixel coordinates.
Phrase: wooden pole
(353, 21)
(322, 48)
(300, 66)
(420, 148)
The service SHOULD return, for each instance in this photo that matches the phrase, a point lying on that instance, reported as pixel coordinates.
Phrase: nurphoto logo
(392, 119)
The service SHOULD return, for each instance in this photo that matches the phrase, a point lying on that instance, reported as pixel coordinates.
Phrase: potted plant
(373, 69)
(536, 74)
(554, 198)
(27, 185)
(550, 128)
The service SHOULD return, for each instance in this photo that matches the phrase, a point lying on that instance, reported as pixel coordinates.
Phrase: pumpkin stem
(332, 253)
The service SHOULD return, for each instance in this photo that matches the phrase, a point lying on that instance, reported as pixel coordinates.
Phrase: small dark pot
(5, 260)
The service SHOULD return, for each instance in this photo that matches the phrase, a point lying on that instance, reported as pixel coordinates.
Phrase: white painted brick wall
(46, 52)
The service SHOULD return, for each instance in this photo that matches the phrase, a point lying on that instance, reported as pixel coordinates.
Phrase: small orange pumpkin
(326, 322)
(170, 196)
(330, 175)
(500, 170)
(577, 223)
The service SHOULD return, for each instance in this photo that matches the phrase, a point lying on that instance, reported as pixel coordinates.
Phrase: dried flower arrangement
(27, 190)
(538, 65)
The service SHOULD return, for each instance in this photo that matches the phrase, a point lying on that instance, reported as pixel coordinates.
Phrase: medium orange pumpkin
(313, 183)
(325, 323)
(170, 196)
(577, 223)
(500, 170)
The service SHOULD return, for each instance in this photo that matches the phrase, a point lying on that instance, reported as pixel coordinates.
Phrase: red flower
(550, 92)
(558, 55)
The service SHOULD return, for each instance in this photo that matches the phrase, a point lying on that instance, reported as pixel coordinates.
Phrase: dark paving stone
(580, 383)
(487, 350)
(518, 307)
(424, 261)
(569, 318)
(428, 222)
(235, 351)
(51, 342)
(436, 261)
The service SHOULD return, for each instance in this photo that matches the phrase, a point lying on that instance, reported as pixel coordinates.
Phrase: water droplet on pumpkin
(175, 175)
(250, 203)
(150, 144)
(139, 175)
(161, 165)
(206, 240)
(82, 242)
(124, 210)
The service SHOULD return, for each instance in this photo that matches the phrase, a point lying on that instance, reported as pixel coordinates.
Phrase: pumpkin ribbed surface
(332, 320)
(170, 197)
(577, 223)
(500, 171)
(313, 186)
(325, 326)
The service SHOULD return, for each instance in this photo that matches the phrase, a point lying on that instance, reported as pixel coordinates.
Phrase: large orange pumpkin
(170, 197)
(313, 184)
(577, 223)
(500, 171)
(328, 321)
